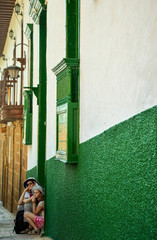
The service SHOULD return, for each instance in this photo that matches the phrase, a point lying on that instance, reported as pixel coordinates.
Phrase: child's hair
(39, 188)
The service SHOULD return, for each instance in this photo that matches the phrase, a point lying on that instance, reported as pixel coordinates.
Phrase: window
(67, 73)
(27, 118)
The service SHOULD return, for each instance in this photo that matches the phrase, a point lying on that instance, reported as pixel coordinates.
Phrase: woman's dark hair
(32, 182)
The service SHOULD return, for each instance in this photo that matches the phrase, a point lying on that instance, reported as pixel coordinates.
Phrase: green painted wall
(111, 193)
(32, 173)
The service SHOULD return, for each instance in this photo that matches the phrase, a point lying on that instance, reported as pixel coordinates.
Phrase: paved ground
(7, 224)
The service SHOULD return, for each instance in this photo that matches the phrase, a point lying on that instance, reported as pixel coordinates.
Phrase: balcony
(9, 110)
(10, 113)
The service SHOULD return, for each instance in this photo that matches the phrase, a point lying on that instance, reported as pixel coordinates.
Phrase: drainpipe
(42, 99)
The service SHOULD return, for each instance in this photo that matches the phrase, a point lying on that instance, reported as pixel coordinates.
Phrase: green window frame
(27, 118)
(67, 74)
(67, 114)
(28, 95)
(35, 15)
(67, 136)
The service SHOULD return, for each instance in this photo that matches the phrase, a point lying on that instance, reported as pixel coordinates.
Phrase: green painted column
(42, 99)
(72, 29)
(31, 61)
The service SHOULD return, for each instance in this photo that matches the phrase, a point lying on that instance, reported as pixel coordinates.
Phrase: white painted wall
(117, 65)
(118, 59)
(15, 25)
(8, 51)
(26, 19)
(32, 150)
(55, 53)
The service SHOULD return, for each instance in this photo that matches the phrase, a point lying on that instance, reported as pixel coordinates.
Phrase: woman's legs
(30, 217)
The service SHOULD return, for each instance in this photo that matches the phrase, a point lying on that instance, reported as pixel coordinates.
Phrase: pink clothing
(39, 222)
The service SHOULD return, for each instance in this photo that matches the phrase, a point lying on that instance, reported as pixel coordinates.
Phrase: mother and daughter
(32, 202)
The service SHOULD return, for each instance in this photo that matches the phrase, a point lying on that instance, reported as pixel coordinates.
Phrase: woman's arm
(27, 200)
(20, 202)
(37, 210)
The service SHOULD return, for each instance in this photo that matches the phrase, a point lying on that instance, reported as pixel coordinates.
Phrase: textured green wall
(111, 193)
(32, 173)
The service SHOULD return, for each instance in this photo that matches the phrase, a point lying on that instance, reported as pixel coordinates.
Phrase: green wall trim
(27, 118)
(28, 97)
(32, 173)
(72, 28)
(31, 59)
(67, 72)
(42, 2)
(64, 63)
(42, 97)
(29, 30)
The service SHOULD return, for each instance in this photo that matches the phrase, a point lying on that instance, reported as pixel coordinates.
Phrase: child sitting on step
(36, 219)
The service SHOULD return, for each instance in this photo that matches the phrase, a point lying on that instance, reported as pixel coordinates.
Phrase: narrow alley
(7, 225)
(78, 118)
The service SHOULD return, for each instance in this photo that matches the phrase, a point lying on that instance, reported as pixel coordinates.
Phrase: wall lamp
(11, 34)
(18, 9)
(3, 57)
(22, 60)
(13, 71)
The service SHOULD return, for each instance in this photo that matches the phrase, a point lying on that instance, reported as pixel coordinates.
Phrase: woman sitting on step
(24, 202)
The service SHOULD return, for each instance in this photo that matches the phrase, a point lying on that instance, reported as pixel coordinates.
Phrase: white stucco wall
(118, 59)
(26, 19)
(55, 53)
(15, 25)
(32, 150)
(117, 64)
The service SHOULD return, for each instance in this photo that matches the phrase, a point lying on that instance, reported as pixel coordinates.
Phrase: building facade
(89, 119)
(13, 154)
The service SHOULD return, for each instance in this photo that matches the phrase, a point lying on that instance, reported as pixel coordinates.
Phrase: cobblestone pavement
(7, 224)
